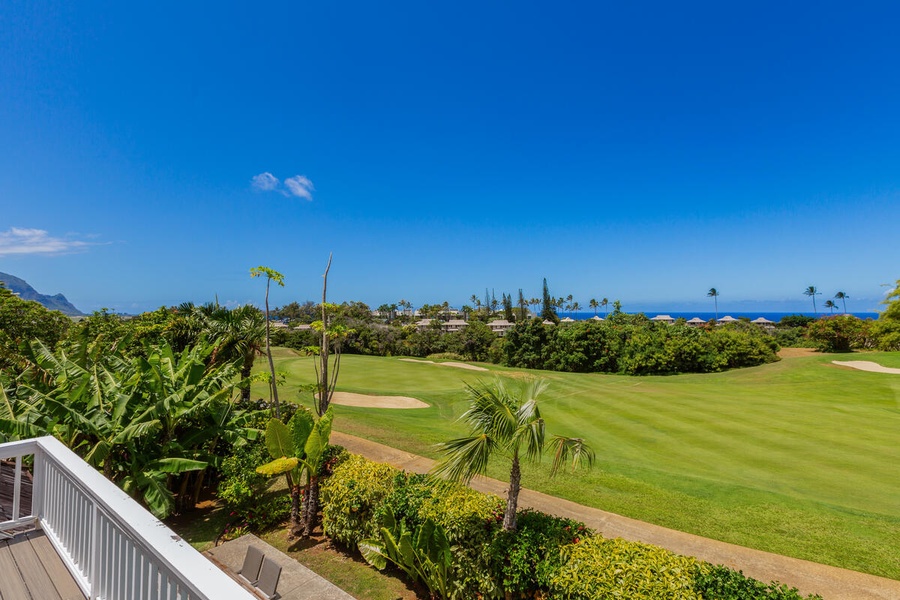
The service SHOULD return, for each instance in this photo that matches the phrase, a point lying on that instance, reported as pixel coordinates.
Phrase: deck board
(30, 569)
(11, 585)
(59, 575)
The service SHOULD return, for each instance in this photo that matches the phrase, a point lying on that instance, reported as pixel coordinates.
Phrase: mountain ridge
(55, 302)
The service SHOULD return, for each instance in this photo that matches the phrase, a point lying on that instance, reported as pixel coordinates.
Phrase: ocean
(706, 316)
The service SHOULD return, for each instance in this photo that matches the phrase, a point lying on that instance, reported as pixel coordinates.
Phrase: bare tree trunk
(512, 497)
(182, 491)
(272, 383)
(198, 488)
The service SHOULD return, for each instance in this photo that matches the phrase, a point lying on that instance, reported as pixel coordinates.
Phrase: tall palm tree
(508, 422)
(605, 304)
(270, 275)
(714, 294)
(594, 304)
(830, 305)
(812, 292)
(843, 298)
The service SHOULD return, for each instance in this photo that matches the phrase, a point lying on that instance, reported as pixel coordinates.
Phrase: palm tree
(812, 292)
(605, 304)
(843, 298)
(714, 294)
(830, 305)
(271, 275)
(237, 333)
(509, 422)
(594, 304)
(576, 306)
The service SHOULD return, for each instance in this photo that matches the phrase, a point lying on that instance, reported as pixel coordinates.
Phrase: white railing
(113, 547)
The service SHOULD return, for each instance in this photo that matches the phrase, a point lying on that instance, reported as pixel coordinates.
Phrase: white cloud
(265, 182)
(300, 186)
(19, 240)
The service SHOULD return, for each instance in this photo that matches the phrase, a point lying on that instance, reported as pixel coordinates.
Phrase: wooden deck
(30, 569)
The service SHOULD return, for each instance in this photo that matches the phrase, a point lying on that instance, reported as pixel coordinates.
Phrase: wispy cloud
(19, 240)
(298, 186)
(265, 182)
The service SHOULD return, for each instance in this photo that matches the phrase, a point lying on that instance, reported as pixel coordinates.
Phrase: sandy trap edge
(367, 401)
(865, 365)
(458, 365)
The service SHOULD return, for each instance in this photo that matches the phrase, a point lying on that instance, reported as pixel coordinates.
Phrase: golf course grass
(799, 457)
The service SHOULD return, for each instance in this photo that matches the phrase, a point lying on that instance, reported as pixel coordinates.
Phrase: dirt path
(831, 583)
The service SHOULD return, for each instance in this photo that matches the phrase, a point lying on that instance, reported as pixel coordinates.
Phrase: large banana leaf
(278, 439)
(301, 425)
(318, 441)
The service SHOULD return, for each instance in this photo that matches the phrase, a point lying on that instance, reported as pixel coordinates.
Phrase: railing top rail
(171, 550)
(18, 448)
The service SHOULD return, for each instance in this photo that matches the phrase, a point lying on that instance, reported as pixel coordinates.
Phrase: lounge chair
(252, 563)
(268, 578)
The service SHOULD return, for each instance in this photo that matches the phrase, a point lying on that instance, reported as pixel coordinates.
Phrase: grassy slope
(798, 457)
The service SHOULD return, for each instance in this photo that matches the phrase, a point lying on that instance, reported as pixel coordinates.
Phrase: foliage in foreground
(153, 424)
(548, 557)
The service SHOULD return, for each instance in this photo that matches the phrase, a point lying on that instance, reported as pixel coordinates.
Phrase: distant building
(501, 326)
(454, 325)
(696, 322)
(663, 319)
(764, 323)
(727, 319)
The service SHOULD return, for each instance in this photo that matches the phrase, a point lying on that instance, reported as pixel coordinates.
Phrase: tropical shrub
(351, 496)
(424, 554)
(528, 558)
(721, 583)
(598, 568)
(239, 484)
(841, 333)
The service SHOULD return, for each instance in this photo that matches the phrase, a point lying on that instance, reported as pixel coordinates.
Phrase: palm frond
(465, 457)
(567, 448)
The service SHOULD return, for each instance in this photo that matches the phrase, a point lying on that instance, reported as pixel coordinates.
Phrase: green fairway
(798, 457)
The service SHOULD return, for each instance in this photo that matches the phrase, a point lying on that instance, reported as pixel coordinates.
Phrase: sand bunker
(866, 365)
(458, 365)
(366, 401)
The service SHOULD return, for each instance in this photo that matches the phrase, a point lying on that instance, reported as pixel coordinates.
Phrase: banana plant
(146, 422)
(424, 554)
(298, 452)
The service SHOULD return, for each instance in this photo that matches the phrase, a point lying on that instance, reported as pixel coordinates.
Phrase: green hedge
(598, 568)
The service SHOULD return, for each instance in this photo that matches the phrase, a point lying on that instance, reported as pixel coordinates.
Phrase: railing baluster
(17, 489)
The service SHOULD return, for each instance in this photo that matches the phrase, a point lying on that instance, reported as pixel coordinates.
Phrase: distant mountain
(26, 292)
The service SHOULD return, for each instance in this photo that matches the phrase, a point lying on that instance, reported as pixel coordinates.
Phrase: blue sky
(646, 151)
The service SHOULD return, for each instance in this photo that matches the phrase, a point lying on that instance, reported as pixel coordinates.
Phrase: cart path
(832, 583)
